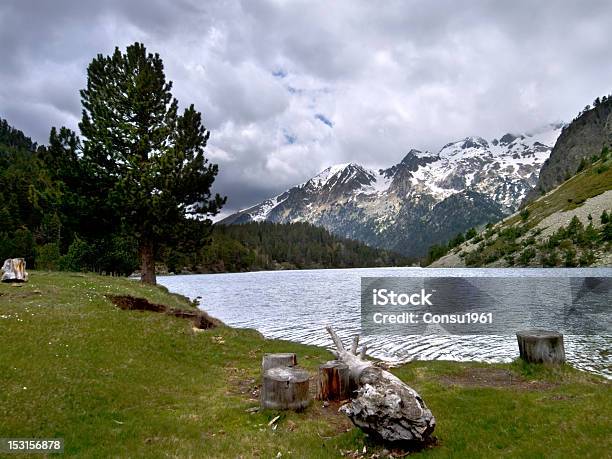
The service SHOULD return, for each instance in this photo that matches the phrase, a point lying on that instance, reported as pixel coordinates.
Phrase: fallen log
(384, 407)
(541, 346)
(13, 270)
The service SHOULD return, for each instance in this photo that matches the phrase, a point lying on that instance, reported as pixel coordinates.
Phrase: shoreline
(522, 269)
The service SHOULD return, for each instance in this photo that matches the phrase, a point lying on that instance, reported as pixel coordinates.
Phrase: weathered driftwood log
(541, 346)
(333, 381)
(14, 270)
(384, 407)
(285, 388)
(278, 360)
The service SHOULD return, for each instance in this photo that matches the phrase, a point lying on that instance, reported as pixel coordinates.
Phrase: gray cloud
(288, 88)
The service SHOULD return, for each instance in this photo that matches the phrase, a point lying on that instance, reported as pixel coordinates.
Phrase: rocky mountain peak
(422, 200)
(414, 153)
(459, 147)
(583, 138)
(474, 142)
(507, 139)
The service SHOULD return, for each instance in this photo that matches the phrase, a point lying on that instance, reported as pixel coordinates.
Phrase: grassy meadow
(117, 383)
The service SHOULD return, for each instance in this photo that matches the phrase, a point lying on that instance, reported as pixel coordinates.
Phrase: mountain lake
(297, 305)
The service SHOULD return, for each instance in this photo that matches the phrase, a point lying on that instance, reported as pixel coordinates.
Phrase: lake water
(297, 305)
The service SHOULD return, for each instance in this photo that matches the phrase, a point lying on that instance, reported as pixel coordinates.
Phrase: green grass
(118, 383)
(593, 181)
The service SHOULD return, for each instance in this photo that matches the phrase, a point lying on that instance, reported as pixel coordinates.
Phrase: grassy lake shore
(117, 383)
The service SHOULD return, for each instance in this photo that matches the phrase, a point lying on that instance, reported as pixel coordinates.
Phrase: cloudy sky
(290, 87)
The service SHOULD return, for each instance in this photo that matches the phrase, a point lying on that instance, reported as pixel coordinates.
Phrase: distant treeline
(267, 246)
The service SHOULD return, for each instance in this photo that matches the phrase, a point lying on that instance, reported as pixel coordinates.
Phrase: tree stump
(278, 360)
(13, 270)
(285, 388)
(541, 346)
(333, 381)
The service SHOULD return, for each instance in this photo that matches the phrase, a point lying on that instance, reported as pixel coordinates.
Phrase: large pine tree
(146, 159)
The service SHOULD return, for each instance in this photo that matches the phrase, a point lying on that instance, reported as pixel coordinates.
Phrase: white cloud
(267, 75)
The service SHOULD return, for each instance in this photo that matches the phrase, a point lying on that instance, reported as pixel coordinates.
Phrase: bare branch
(355, 344)
(336, 339)
(364, 348)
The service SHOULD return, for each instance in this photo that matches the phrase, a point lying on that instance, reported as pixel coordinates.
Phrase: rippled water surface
(296, 305)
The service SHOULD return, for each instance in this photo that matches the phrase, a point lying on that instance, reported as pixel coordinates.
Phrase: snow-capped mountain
(424, 199)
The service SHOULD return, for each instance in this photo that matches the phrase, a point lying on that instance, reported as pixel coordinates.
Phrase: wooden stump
(13, 270)
(278, 360)
(541, 346)
(384, 405)
(333, 381)
(285, 388)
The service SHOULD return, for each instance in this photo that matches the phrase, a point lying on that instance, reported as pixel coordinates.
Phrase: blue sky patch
(290, 138)
(323, 119)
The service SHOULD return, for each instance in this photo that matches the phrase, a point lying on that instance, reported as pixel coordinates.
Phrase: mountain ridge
(579, 141)
(400, 208)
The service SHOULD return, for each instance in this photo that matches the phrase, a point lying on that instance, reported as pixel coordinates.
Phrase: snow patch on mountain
(261, 211)
(323, 178)
(379, 185)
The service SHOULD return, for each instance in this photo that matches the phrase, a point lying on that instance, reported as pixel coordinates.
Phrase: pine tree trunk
(147, 262)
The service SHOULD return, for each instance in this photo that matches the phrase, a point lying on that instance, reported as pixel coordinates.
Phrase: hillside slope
(569, 226)
(583, 138)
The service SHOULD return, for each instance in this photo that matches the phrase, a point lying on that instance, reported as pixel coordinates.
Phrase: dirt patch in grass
(338, 423)
(199, 319)
(240, 383)
(493, 377)
(328, 410)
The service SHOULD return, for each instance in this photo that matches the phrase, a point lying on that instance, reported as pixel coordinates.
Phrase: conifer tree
(146, 159)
